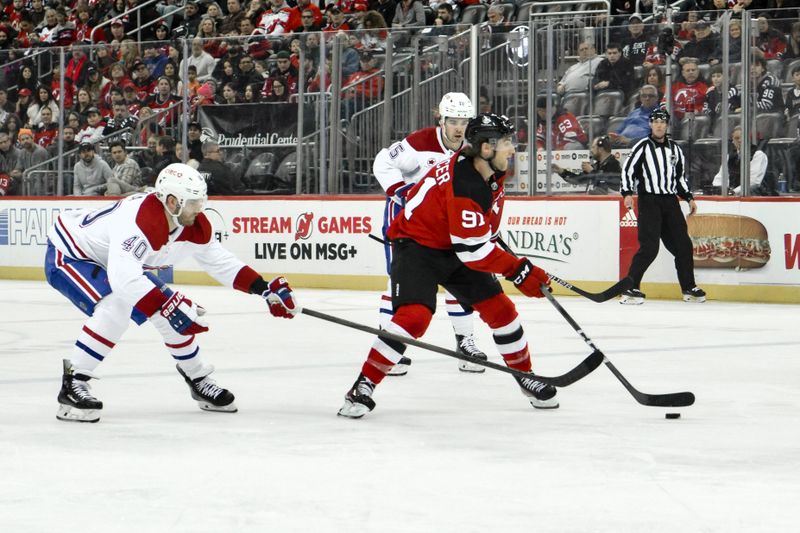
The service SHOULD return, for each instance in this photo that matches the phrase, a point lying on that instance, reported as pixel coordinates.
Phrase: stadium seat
(593, 125)
(691, 129)
(575, 103)
(473, 14)
(615, 123)
(788, 67)
(608, 103)
(791, 126)
(769, 125)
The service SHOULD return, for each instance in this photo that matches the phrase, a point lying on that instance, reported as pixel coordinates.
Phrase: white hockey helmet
(456, 105)
(185, 184)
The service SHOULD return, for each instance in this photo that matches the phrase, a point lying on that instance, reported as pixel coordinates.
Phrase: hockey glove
(527, 278)
(280, 298)
(184, 315)
(400, 194)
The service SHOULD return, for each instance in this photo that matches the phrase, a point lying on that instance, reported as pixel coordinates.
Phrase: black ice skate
(358, 400)
(209, 395)
(541, 395)
(694, 294)
(632, 297)
(401, 368)
(75, 401)
(465, 344)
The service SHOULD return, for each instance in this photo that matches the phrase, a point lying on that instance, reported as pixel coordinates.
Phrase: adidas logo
(628, 220)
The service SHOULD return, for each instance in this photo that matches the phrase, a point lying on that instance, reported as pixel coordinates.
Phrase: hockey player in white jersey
(398, 168)
(102, 261)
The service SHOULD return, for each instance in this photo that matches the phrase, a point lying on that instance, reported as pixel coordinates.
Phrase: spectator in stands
(215, 12)
(10, 166)
(637, 123)
(600, 174)
(687, 26)
(148, 158)
(208, 32)
(284, 69)
(275, 19)
(793, 95)
(68, 144)
(229, 94)
(496, 20)
(735, 50)
(221, 178)
(12, 126)
(409, 14)
(770, 41)
(793, 43)
(484, 103)
(161, 34)
(444, 23)
(655, 76)
(194, 141)
(230, 23)
(95, 83)
(712, 106)
(191, 17)
(163, 103)
(126, 176)
(578, 77)
(566, 133)
(202, 60)
(118, 78)
(122, 122)
(336, 20)
(278, 91)
(252, 94)
(42, 99)
(74, 121)
(246, 27)
(688, 93)
(90, 173)
(171, 73)
(117, 31)
(26, 80)
(614, 73)
(93, 131)
(247, 73)
(5, 107)
(165, 148)
(636, 43)
(758, 168)
(155, 58)
(23, 103)
(46, 131)
(30, 153)
(704, 44)
(308, 21)
(767, 87)
(144, 82)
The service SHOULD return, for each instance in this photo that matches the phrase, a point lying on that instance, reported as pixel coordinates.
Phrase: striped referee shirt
(656, 168)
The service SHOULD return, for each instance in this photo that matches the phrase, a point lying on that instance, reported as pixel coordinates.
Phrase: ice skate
(465, 344)
(400, 368)
(75, 400)
(632, 297)
(541, 395)
(209, 395)
(695, 294)
(358, 400)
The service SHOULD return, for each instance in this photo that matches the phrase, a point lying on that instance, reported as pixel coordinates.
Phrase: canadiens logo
(304, 226)
(629, 220)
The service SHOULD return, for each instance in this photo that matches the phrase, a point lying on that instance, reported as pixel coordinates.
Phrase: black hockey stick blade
(673, 399)
(586, 367)
(599, 297)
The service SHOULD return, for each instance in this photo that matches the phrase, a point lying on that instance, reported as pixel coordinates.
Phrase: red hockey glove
(527, 278)
(184, 315)
(280, 298)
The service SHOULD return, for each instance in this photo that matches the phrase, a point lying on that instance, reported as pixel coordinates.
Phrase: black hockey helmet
(659, 113)
(488, 127)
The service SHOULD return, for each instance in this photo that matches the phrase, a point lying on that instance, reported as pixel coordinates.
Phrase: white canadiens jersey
(132, 236)
(408, 161)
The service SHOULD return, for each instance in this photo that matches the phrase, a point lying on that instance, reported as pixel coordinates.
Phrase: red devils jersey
(566, 129)
(454, 208)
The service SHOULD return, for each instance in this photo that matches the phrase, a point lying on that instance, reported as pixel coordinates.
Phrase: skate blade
(206, 406)
(694, 299)
(471, 368)
(552, 403)
(73, 414)
(398, 370)
(631, 300)
(353, 410)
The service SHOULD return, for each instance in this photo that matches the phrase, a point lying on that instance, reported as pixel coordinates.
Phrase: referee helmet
(659, 114)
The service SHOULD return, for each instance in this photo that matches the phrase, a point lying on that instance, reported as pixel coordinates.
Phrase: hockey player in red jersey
(443, 237)
(102, 260)
(398, 168)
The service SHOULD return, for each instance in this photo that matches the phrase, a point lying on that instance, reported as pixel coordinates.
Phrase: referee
(655, 171)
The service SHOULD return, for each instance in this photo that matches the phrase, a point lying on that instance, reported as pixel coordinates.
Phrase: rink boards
(324, 241)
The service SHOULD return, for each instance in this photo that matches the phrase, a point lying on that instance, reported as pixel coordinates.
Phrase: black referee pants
(660, 218)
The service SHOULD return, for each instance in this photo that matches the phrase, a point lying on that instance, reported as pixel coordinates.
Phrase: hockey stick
(579, 372)
(599, 297)
(674, 399)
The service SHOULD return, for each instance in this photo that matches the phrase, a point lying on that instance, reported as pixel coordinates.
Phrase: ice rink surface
(442, 452)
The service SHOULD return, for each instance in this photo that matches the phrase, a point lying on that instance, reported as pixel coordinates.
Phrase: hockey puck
(672, 415)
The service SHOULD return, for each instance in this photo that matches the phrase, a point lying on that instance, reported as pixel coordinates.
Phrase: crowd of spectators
(123, 81)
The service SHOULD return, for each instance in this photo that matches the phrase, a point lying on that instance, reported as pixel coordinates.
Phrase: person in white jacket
(758, 166)
(202, 60)
(103, 261)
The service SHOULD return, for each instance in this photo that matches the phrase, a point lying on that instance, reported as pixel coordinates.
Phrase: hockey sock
(460, 316)
(183, 348)
(409, 321)
(100, 333)
(509, 337)
(385, 313)
(89, 350)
